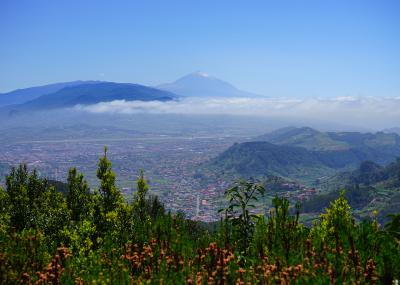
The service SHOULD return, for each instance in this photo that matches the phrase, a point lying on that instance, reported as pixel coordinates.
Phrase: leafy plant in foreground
(241, 198)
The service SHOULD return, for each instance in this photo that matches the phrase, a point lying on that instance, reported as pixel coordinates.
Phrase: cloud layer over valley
(357, 111)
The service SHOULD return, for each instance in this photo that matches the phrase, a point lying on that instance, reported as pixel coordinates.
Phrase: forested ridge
(305, 154)
(95, 236)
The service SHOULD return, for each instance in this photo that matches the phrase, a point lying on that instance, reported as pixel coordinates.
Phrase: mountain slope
(258, 159)
(20, 96)
(315, 140)
(303, 137)
(370, 187)
(393, 130)
(340, 146)
(200, 84)
(368, 173)
(86, 94)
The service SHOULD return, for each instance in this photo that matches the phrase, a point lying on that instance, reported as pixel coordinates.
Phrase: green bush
(96, 237)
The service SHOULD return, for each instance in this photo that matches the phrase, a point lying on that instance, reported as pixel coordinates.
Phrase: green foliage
(86, 237)
(52, 216)
(140, 197)
(393, 226)
(336, 220)
(141, 210)
(119, 223)
(4, 211)
(78, 196)
(241, 198)
(285, 233)
(34, 203)
(109, 194)
(22, 252)
(21, 207)
(79, 236)
(369, 185)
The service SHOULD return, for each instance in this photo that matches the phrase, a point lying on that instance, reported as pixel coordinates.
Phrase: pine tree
(141, 210)
(17, 189)
(78, 197)
(109, 194)
(140, 196)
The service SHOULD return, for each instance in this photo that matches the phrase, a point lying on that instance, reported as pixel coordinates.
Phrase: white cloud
(351, 110)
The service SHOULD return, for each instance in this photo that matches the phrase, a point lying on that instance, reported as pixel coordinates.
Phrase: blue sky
(276, 48)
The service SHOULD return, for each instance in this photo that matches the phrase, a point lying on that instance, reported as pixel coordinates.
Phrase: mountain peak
(200, 74)
(203, 77)
(201, 84)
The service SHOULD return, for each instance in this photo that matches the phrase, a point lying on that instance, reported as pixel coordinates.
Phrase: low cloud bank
(378, 111)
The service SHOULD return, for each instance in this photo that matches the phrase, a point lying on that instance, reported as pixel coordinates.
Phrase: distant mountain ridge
(200, 84)
(330, 141)
(23, 95)
(67, 94)
(393, 130)
(86, 94)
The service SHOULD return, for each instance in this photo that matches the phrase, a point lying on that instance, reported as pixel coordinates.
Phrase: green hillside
(370, 187)
(303, 137)
(259, 159)
(381, 147)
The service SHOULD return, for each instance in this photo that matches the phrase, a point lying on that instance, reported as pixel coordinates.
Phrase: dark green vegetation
(96, 237)
(370, 187)
(325, 161)
(306, 154)
(259, 159)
